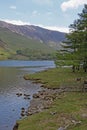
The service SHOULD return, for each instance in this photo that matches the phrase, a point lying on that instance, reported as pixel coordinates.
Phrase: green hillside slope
(20, 47)
(4, 54)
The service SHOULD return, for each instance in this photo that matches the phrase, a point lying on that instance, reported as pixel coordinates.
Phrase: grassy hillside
(4, 54)
(23, 47)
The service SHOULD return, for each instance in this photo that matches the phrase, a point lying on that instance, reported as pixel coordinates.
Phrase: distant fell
(35, 32)
(28, 42)
(16, 46)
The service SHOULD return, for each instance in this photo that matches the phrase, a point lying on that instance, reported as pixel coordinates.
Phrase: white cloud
(49, 13)
(72, 4)
(56, 28)
(16, 22)
(35, 13)
(13, 7)
(41, 2)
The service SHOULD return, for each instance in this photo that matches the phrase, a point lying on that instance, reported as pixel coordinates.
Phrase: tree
(77, 40)
(80, 26)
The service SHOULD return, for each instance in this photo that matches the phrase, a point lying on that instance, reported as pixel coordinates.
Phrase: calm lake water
(12, 82)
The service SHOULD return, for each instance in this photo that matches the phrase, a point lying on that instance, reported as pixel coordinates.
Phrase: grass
(4, 54)
(16, 41)
(58, 77)
(69, 106)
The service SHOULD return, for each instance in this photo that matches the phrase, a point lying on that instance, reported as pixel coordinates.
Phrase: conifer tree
(77, 42)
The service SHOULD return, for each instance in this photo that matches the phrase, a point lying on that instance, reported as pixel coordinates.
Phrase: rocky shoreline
(41, 101)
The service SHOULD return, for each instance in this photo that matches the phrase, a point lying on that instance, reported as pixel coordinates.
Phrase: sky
(50, 14)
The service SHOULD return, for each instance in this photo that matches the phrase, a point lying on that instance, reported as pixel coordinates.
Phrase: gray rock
(36, 96)
(84, 115)
(61, 128)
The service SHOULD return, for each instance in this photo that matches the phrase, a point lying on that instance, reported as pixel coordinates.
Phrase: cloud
(16, 22)
(56, 28)
(49, 13)
(41, 2)
(35, 13)
(72, 4)
(13, 7)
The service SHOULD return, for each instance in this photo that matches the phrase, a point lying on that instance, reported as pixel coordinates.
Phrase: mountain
(16, 46)
(35, 32)
(28, 41)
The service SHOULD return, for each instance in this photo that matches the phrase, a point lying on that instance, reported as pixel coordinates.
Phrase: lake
(11, 83)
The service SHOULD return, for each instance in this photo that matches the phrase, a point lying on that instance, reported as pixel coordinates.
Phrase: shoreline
(42, 100)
